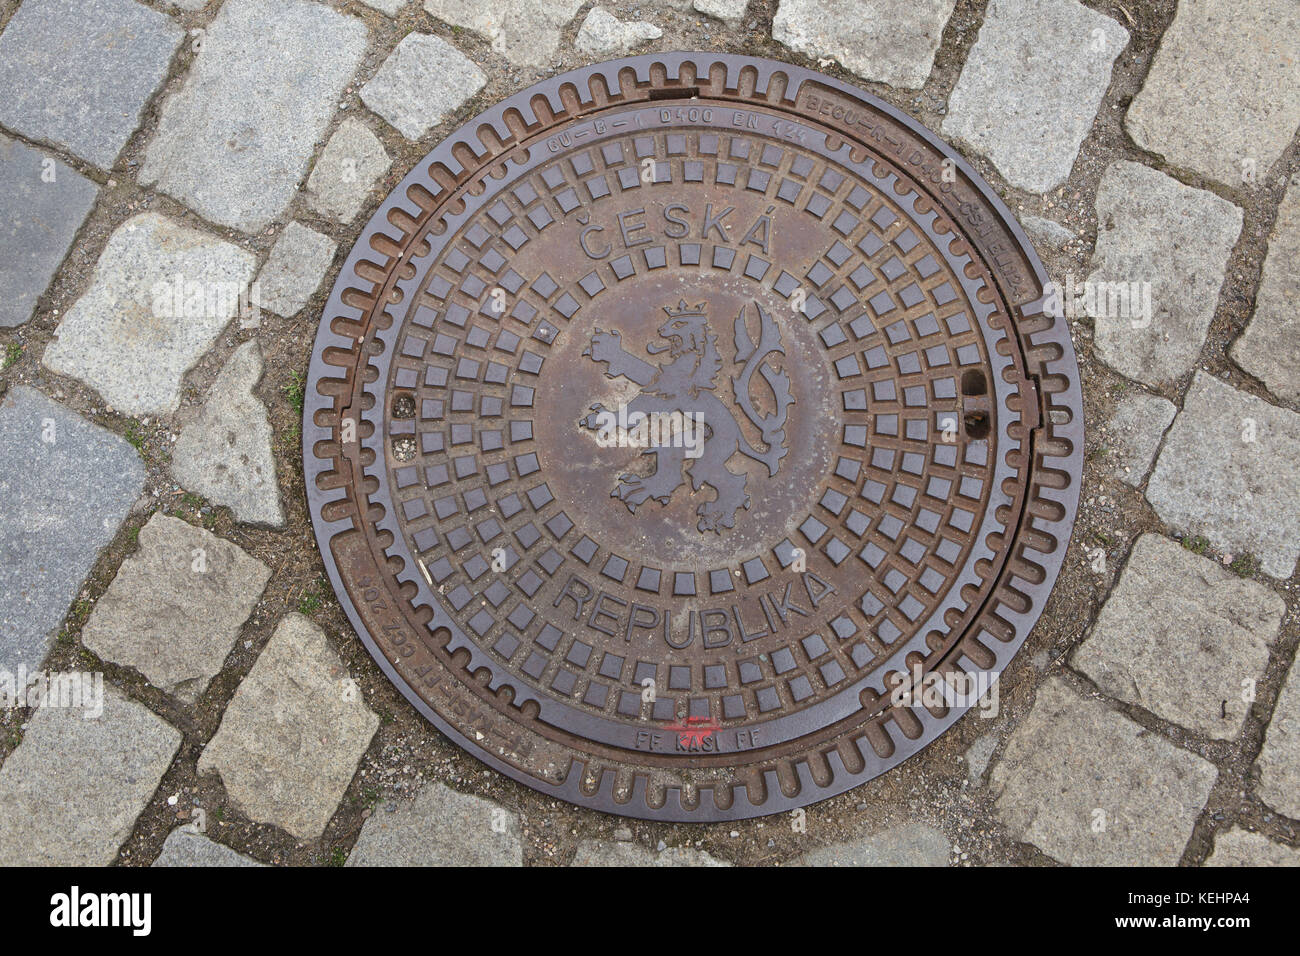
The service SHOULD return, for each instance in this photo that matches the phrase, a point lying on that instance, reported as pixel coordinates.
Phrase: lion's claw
(714, 516)
(632, 490)
(636, 490)
(595, 420)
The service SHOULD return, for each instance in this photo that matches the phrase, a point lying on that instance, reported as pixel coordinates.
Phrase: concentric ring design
(702, 652)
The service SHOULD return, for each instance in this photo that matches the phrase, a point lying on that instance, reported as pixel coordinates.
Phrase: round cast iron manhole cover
(674, 419)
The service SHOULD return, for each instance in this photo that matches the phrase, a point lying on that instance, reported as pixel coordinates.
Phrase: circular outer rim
(1051, 408)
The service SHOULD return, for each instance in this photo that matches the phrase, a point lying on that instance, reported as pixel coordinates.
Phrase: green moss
(1244, 565)
(295, 391)
(313, 597)
(291, 435)
(336, 857)
(135, 434)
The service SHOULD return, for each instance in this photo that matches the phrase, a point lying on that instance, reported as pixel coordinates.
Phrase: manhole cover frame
(1049, 398)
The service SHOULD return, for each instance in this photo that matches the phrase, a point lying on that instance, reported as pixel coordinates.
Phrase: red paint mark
(694, 731)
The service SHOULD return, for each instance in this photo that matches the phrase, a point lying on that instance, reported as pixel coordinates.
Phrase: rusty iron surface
(673, 417)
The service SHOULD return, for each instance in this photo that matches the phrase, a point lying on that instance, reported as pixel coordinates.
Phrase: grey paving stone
(606, 853)
(728, 11)
(525, 32)
(292, 736)
(294, 270)
(131, 336)
(913, 844)
(603, 34)
(176, 606)
(1153, 229)
(423, 81)
(186, 846)
(1133, 435)
(1179, 635)
(978, 756)
(1279, 759)
(1014, 102)
(1222, 88)
(1071, 757)
(42, 206)
(1046, 232)
(352, 162)
(390, 7)
(440, 827)
(66, 485)
(1240, 847)
(1242, 495)
(234, 143)
(889, 41)
(78, 72)
(225, 454)
(1267, 348)
(70, 793)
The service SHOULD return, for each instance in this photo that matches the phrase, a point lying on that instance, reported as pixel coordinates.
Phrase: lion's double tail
(771, 427)
(776, 450)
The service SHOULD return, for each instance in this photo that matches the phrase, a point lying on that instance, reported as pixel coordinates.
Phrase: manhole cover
(674, 410)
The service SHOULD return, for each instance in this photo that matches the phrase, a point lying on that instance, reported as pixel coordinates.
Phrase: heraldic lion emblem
(685, 387)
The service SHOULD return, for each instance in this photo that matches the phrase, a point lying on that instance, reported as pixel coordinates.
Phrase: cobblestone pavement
(154, 528)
